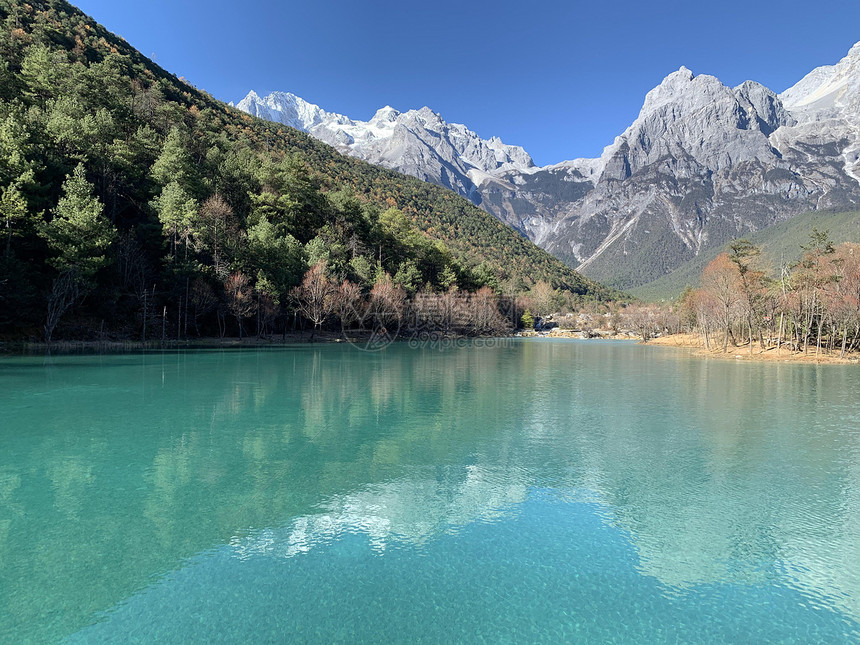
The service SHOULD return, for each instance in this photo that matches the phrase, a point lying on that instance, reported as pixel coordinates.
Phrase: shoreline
(742, 352)
(577, 334)
(691, 342)
(205, 342)
(33, 348)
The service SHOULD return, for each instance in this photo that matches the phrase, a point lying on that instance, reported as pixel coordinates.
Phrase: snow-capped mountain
(417, 142)
(826, 104)
(702, 163)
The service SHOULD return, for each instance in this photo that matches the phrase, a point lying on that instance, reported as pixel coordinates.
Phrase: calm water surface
(539, 491)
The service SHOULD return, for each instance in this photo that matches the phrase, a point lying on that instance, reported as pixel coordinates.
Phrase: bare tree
(240, 297)
(349, 304)
(387, 305)
(720, 281)
(64, 293)
(484, 311)
(544, 298)
(449, 309)
(315, 297)
(642, 318)
(267, 313)
(216, 220)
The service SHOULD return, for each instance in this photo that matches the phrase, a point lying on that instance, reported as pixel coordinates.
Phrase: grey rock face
(417, 142)
(702, 163)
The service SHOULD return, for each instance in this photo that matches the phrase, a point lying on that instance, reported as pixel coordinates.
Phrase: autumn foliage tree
(814, 303)
(240, 297)
(315, 297)
(721, 285)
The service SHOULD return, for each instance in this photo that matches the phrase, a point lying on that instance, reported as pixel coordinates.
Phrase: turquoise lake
(529, 491)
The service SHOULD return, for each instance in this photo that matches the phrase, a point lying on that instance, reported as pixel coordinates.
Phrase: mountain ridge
(702, 163)
(417, 142)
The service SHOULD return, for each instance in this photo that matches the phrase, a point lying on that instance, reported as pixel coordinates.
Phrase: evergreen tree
(176, 212)
(527, 320)
(13, 207)
(174, 162)
(15, 149)
(16, 176)
(79, 234)
(44, 72)
(279, 260)
(363, 269)
(448, 278)
(408, 276)
(317, 251)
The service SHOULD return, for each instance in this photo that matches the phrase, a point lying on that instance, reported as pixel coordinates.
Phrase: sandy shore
(742, 353)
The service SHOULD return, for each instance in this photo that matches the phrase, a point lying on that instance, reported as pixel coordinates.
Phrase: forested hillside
(129, 195)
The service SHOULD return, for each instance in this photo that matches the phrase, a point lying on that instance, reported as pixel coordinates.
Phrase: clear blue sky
(560, 78)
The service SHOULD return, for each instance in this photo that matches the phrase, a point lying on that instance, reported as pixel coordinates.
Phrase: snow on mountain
(416, 142)
(831, 91)
(826, 103)
(701, 163)
(289, 109)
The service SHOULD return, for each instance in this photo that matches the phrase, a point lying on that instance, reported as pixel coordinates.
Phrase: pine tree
(448, 278)
(78, 233)
(527, 320)
(408, 276)
(177, 211)
(16, 176)
(44, 73)
(279, 260)
(174, 162)
(13, 207)
(80, 236)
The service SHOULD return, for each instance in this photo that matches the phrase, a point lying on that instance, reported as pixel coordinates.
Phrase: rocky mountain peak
(763, 106)
(417, 142)
(682, 88)
(385, 114)
(697, 118)
(828, 92)
(701, 163)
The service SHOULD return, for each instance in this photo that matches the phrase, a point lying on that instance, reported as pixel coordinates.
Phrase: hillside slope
(780, 243)
(143, 187)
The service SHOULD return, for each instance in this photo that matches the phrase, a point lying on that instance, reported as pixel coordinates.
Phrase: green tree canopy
(79, 234)
(278, 259)
(177, 212)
